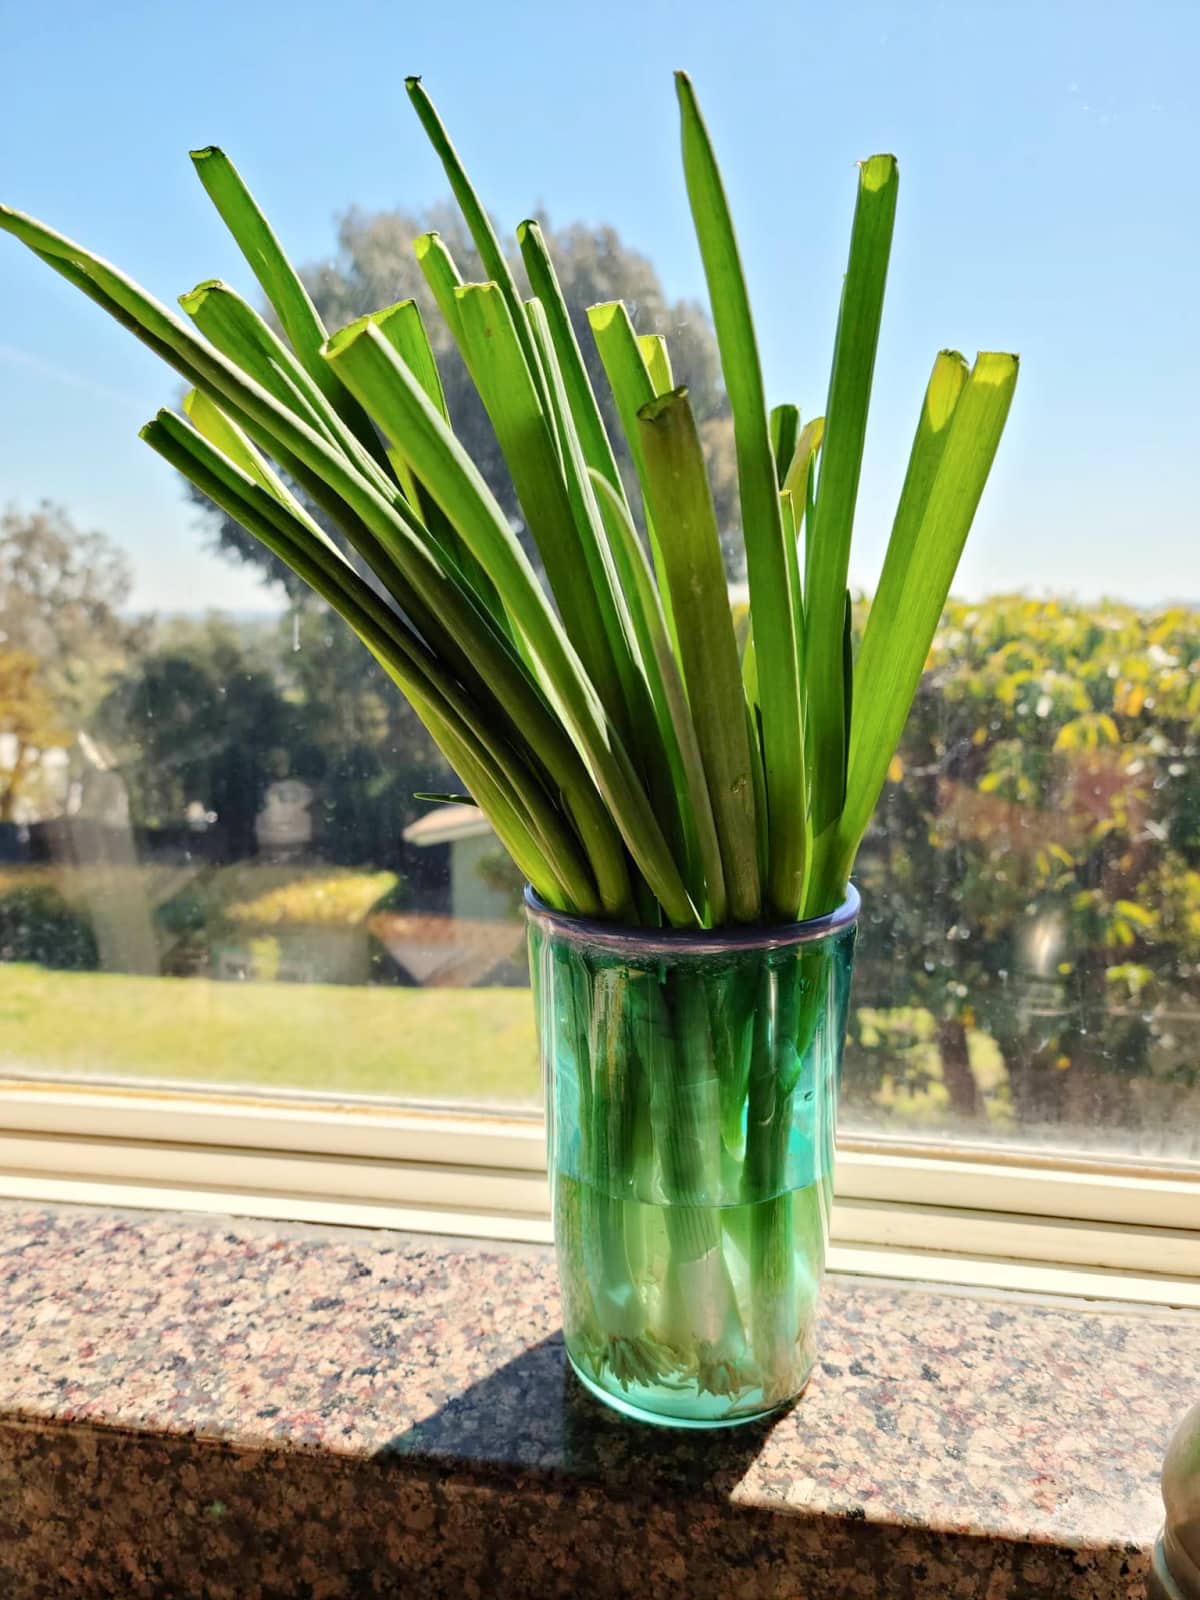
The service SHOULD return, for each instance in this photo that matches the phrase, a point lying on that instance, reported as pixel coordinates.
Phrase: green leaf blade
(589, 424)
(953, 451)
(496, 361)
(244, 338)
(702, 847)
(657, 357)
(828, 539)
(785, 426)
(280, 282)
(440, 273)
(638, 719)
(265, 256)
(399, 404)
(623, 358)
(762, 525)
(495, 263)
(683, 511)
(404, 329)
(519, 807)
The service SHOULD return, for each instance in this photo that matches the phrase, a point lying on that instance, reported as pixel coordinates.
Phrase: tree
(213, 712)
(194, 720)
(362, 744)
(61, 597)
(1034, 856)
(30, 721)
(375, 267)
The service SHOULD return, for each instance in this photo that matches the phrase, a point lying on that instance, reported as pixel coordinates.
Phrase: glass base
(626, 1403)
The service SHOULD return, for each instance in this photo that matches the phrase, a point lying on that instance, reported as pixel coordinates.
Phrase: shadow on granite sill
(534, 1417)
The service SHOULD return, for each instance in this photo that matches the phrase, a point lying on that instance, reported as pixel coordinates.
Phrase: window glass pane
(215, 864)
(1029, 944)
(214, 867)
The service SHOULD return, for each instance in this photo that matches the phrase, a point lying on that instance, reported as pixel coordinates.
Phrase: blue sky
(1049, 203)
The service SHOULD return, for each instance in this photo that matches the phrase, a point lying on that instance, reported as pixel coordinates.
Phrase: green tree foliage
(361, 743)
(31, 724)
(38, 925)
(196, 722)
(62, 594)
(1032, 868)
(212, 712)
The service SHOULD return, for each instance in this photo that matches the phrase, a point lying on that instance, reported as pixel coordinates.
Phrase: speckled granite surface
(190, 1407)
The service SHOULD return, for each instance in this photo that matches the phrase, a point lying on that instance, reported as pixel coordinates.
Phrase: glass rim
(693, 941)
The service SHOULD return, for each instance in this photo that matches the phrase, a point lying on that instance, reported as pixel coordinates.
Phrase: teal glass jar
(691, 1084)
(1175, 1565)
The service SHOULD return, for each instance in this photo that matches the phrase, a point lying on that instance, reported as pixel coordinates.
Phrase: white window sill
(973, 1217)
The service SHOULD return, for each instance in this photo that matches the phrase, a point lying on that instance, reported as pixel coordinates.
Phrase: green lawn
(431, 1044)
(474, 1044)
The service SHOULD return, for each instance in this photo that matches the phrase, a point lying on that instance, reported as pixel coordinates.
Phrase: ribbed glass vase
(691, 1085)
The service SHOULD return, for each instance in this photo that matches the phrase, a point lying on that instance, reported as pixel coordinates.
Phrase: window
(216, 873)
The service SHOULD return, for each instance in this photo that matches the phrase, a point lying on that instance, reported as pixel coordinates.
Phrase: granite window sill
(232, 1410)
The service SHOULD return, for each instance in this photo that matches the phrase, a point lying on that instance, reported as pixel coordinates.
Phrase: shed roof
(444, 824)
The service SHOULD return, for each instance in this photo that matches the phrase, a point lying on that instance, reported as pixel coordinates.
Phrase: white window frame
(972, 1215)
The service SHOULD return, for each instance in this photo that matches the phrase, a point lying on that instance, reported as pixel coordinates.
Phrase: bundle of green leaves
(634, 767)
